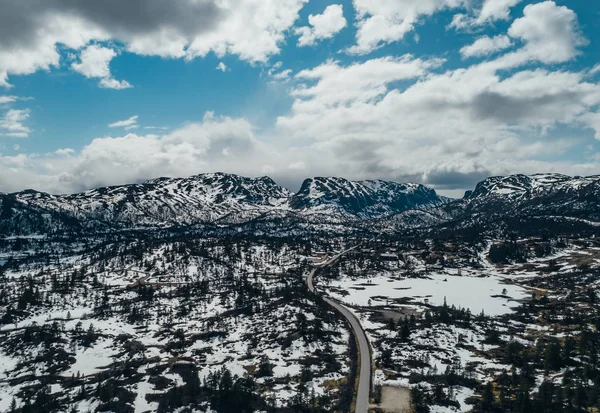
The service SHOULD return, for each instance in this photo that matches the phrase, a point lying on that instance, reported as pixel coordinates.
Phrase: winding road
(364, 381)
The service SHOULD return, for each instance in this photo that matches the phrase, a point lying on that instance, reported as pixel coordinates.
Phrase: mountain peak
(362, 198)
(521, 185)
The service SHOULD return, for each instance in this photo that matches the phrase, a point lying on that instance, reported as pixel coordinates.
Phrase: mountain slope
(361, 199)
(222, 199)
(529, 187)
(159, 202)
(538, 194)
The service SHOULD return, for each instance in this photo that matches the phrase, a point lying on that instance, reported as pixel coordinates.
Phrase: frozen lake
(474, 293)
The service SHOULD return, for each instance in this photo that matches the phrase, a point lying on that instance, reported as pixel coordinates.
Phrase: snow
(460, 395)
(474, 293)
(91, 360)
(7, 364)
(141, 405)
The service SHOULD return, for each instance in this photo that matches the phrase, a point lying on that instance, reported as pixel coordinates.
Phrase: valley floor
(196, 324)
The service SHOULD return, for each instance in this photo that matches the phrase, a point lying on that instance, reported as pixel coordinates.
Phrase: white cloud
(400, 118)
(322, 26)
(594, 70)
(278, 75)
(36, 49)
(222, 67)
(7, 99)
(65, 151)
(215, 143)
(450, 128)
(461, 21)
(250, 29)
(126, 124)
(13, 123)
(546, 33)
(490, 11)
(496, 10)
(110, 83)
(32, 29)
(275, 67)
(4, 79)
(550, 32)
(486, 45)
(95, 63)
(593, 121)
(363, 82)
(283, 76)
(387, 21)
(164, 42)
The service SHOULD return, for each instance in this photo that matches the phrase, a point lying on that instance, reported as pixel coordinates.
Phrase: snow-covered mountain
(221, 199)
(521, 187)
(211, 198)
(552, 198)
(539, 194)
(158, 202)
(362, 199)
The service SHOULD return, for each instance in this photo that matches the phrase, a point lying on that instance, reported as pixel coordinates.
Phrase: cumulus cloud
(546, 33)
(448, 130)
(283, 76)
(387, 21)
(31, 29)
(550, 32)
(322, 26)
(13, 123)
(7, 99)
(65, 151)
(490, 11)
(95, 63)
(496, 10)
(460, 124)
(215, 143)
(486, 45)
(110, 83)
(222, 67)
(29, 40)
(334, 84)
(126, 124)
(396, 117)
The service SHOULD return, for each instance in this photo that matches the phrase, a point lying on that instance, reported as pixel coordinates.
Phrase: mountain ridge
(221, 198)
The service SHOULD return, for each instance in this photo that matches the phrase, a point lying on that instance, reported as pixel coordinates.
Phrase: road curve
(364, 381)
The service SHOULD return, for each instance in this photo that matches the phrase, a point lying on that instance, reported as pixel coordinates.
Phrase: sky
(439, 92)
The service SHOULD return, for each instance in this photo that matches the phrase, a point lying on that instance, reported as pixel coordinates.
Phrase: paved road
(364, 383)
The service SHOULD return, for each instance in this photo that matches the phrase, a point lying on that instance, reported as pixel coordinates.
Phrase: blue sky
(443, 92)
